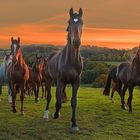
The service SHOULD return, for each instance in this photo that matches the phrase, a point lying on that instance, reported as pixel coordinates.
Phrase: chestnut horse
(18, 73)
(66, 67)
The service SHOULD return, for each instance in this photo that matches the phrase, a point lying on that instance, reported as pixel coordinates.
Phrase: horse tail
(107, 86)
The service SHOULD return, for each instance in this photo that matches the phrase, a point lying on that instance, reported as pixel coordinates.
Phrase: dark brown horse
(35, 77)
(66, 67)
(128, 74)
(44, 83)
(112, 77)
(18, 73)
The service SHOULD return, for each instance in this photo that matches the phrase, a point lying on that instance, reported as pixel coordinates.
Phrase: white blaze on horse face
(75, 20)
(15, 48)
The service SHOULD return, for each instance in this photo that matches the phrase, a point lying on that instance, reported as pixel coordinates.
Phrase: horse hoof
(14, 111)
(22, 113)
(74, 129)
(36, 100)
(123, 107)
(55, 115)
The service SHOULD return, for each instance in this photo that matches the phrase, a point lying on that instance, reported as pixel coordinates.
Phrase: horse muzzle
(76, 42)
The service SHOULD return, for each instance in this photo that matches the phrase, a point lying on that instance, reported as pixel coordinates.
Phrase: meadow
(97, 117)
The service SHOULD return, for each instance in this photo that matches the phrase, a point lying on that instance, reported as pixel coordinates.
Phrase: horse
(18, 73)
(128, 74)
(44, 83)
(111, 77)
(3, 76)
(35, 77)
(65, 67)
(44, 89)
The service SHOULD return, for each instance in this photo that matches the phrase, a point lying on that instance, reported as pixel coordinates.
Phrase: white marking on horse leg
(46, 114)
(10, 99)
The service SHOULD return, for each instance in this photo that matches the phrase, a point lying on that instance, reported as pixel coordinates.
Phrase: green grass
(97, 118)
(113, 62)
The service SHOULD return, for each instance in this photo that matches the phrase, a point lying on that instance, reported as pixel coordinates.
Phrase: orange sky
(112, 23)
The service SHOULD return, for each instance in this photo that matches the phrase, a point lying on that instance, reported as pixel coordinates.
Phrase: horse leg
(112, 95)
(9, 95)
(42, 90)
(64, 95)
(22, 98)
(130, 98)
(123, 95)
(120, 93)
(14, 98)
(48, 88)
(0, 91)
(58, 99)
(46, 91)
(37, 93)
(74, 104)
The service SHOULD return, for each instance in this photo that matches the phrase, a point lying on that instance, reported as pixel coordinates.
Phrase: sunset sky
(108, 23)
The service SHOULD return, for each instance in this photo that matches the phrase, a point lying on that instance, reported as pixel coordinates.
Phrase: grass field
(112, 62)
(97, 118)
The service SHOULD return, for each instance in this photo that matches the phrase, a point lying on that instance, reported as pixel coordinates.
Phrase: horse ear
(80, 12)
(12, 39)
(18, 39)
(71, 12)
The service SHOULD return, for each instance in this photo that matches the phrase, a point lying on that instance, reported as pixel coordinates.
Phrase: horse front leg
(37, 93)
(42, 90)
(58, 104)
(130, 98)
(0, 91)
(14, 98)
(48, 88)
(75, 87)
(22, 99)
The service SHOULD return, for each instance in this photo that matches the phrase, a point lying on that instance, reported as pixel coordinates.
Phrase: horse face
(75, 27)
(38, 63)
(7, 58)
(15, 45)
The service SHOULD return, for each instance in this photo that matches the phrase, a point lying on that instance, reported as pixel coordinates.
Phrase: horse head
(75, 28)
(7, 58)
(38, 63)
(15, 45)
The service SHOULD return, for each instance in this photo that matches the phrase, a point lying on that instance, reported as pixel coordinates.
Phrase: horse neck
(72, 54)
(19, 57)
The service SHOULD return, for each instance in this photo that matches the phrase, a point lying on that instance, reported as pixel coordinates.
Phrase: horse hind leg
(64, 95)
(130, 98)
(58, 104)
(48, 88)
